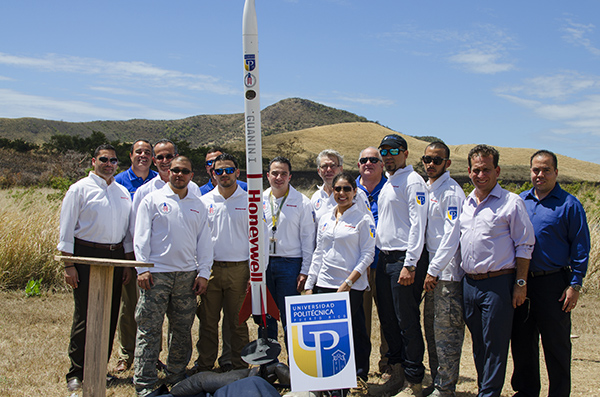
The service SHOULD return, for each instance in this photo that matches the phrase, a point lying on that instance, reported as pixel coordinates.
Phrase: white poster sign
(320, 342)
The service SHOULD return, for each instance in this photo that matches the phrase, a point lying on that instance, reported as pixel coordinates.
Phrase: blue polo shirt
(373, 197)
(209, 186)
(562, 237)
(131, 181)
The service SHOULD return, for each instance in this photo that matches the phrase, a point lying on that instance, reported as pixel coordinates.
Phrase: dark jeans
(362, 343)
(80, 295)
(399, 313)
(542, 314)
(489, 313)
(282, 275)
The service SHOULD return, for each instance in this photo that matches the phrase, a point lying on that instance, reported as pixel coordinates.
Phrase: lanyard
(273, 215)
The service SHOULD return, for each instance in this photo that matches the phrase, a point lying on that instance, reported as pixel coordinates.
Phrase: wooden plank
(97, 330)
(102, 261)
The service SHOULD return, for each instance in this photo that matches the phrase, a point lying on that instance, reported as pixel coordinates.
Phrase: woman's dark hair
(345, 176)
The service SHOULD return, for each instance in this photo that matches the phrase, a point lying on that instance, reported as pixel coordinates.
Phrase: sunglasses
(345, 188)
(209, 163)
(168, 157)
(113, 160)
(437, 160)
(373, 160)
(228, 170)
(393, 152)
(178, 170)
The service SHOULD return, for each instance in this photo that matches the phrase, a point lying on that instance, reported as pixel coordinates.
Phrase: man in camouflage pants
(172, 232)
(443, 314)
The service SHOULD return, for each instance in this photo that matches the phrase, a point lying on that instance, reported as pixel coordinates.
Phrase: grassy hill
(286, 115)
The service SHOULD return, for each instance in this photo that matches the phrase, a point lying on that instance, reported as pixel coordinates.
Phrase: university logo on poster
(320, 337)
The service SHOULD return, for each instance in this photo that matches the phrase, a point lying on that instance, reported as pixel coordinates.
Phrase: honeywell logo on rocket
(254, 200)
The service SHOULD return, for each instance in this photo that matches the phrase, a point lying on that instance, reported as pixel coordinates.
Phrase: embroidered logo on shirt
(318, 204)
(372, 231)
(324, 227)
(420, 198)
(165, 208)
(211, 209)
(452, 213)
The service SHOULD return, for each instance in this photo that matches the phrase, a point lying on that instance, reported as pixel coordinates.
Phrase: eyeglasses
(228, 170)
(373, 160)
(437, 160)
(183, 171)
(393, 152)
(209, 163)
(113, 160)
(325, 166)
(169, 156)
(345, 188)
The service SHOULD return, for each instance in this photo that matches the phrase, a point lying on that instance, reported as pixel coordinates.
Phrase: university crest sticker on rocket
(320, 341)
(452, 213)
(421, 198)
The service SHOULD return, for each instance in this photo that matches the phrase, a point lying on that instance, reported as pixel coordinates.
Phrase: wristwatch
(411, 268)
(521, 283)
(348, 282)
(576, 287)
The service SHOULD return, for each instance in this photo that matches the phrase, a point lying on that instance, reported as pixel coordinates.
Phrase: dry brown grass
(35, 334)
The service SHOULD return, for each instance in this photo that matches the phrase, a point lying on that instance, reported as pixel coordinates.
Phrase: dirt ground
(35, 333)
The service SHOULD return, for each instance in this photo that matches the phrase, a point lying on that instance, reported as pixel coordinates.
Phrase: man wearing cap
(330, 163)
(402, 208)
(93, 223)
(442, 313)
(496, 242)
(556, 271)
(371, 181)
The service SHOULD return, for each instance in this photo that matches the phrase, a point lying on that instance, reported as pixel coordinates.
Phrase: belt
(483, 276)
(229, 264)
(545, 272)
(108, 247)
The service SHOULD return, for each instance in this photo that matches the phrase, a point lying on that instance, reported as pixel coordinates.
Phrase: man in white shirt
(290, 220)
(402, 208)
(227, 208)
(93, 223)
(443, 314)
(172, 232)
(330, 163)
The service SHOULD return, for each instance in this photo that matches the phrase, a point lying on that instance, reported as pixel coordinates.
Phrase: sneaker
(74, 384)
(411, 390)
(122, 366)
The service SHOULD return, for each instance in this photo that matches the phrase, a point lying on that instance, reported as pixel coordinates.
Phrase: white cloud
(558, 86)
(133, 73)
(575, 33)
(481, 61)
(364, 100)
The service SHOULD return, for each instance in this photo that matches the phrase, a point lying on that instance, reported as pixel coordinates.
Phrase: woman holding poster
(345, 249)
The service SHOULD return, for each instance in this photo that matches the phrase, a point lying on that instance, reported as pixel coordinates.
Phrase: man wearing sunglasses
(227, 208)
(442, 313)
(171, 231)
(371, 181)
(402, 210)
(329, 164)
(211, 155)
(93, 222)
(139, 173)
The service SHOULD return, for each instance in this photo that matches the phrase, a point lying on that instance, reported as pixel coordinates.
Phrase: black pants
(80, 295)
(362, 343)
(542, 315)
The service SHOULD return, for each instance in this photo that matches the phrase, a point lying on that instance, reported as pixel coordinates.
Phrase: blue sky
(510, 73)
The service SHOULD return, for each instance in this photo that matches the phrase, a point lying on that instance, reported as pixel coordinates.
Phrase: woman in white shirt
(345, 249)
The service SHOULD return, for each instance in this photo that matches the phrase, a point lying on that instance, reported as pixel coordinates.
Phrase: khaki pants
(226, 290)
(127, 327)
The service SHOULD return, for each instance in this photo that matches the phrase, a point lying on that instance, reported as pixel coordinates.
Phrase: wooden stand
(98, 318)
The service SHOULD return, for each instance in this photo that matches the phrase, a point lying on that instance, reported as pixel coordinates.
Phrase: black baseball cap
(395, 141)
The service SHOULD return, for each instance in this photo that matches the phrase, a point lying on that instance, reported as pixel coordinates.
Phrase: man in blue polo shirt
(556, 271)
(371, 180)
(139, 172)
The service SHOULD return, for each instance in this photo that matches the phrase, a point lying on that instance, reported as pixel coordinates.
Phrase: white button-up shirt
(173, 233)
(443, 232)
(95, 211)
(494, 232)
(342, 246)
(402, 207)
(295, 228)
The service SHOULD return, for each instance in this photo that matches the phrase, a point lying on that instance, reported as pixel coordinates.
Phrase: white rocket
(258, 300)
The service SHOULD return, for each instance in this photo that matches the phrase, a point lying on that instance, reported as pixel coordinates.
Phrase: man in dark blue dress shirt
(556, 271)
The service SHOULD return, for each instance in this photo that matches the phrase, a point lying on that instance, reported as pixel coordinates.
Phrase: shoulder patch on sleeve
(421, 198)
